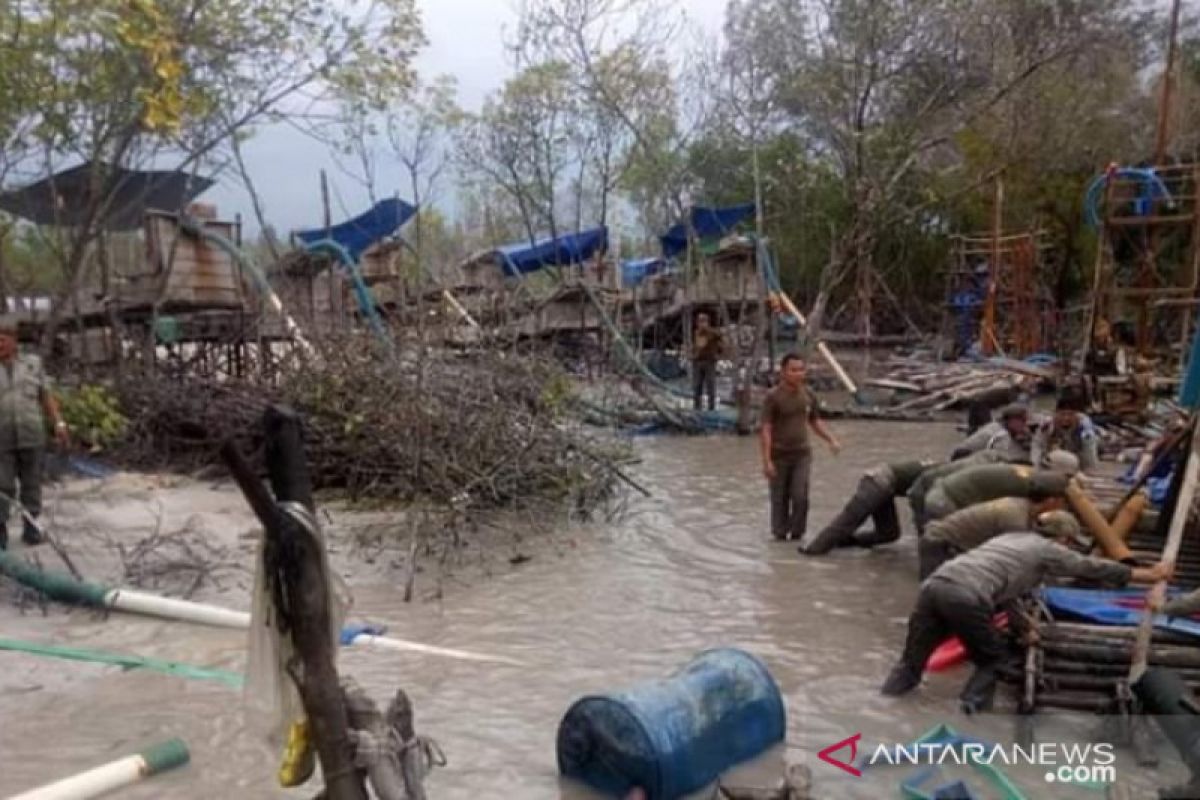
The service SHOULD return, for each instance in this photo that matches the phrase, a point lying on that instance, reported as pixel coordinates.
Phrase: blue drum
(674, 736)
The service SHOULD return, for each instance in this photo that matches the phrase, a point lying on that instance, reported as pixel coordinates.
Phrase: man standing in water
(24, 398)
(789, 411)
(707, 345)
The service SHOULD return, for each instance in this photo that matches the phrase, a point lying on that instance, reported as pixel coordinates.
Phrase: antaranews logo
(1093, 762)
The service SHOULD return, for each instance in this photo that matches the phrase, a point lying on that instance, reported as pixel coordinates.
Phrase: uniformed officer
(26, 406)
(1070, 430)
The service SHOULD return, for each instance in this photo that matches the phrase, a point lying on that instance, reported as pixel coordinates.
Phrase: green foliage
(94, 416)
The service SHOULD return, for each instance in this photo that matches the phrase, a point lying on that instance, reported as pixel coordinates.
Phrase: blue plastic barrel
(674, 736)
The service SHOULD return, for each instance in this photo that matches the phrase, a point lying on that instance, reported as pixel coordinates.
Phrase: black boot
(3, 539)
(31, 534)
(1187, 791)
(979, 693)
(901, 680)
(1166, 697)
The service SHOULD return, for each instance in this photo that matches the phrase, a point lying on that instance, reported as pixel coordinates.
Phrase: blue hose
(1152, 188)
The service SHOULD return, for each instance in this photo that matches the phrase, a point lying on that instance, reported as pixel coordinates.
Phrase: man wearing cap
(874, 498)
(1009, 434)
(980, 484)
(1070, 430)
(26, 405)
(1013, 439)
(962, 595)
(970, 527)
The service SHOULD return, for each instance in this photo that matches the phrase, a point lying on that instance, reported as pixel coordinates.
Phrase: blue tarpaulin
(356, 235)
(1189, 390)
(637, 270)
(573, 248)
(707, 223)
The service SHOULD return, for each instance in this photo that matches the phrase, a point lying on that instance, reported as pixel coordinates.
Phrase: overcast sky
(465, 40)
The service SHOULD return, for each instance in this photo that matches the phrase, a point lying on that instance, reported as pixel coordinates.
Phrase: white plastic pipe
(135, 602)
(153, 605)
(389, 643)
(113, 775)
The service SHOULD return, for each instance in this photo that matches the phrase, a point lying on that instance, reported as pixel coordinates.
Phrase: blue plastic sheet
(521, 258)
(1105, 607)
(634, 271)
(706, 223)
(356, 235)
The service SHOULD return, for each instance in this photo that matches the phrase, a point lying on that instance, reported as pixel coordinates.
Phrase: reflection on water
(689, 569)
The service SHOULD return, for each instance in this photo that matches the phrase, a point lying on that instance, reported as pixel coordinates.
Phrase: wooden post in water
(989, 343)
(300, 570)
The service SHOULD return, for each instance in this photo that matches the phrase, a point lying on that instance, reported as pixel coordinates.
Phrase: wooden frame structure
(1016, 311)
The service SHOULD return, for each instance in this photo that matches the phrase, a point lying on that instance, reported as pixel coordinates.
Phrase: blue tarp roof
(356, 235)
(636, 270)
(707, 223)
(572, 248)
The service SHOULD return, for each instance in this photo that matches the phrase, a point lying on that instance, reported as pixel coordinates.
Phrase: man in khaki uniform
(789, 412)
(26, 404)
(707, 347)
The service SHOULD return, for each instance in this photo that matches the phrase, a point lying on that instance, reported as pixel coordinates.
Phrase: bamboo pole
(822, 348)
(1179, 517)
(1114, 547)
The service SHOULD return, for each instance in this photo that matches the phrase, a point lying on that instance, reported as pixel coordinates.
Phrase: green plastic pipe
(233, 680)
(114, 775)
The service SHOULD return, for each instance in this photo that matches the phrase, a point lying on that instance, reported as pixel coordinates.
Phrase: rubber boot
(1187, 791)
(31, 534)
(840, 530)
(900, 681)
(1166, 697)
(979, 693)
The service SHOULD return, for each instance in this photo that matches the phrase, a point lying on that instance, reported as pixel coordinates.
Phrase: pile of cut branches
(488, 429)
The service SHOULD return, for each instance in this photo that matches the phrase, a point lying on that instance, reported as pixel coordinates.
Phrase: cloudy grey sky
(465, 40)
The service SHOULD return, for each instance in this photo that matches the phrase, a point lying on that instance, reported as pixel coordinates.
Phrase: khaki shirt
(970, 527)
(23, 384)
(788, 412)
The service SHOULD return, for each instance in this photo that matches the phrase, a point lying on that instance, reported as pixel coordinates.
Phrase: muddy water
(596, 608)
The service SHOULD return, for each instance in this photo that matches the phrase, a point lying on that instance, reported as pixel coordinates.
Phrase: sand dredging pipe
(66, 589)
(114, 775)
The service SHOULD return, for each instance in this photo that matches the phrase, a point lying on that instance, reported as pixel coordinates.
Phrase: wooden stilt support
(299, 592)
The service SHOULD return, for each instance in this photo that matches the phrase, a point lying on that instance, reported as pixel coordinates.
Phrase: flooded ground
(596, 608)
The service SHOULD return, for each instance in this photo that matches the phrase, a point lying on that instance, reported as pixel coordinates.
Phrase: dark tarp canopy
(573, 248)
(356, 235)
(707, 223)
(64, 199)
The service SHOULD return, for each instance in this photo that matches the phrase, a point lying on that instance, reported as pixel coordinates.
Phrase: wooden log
(1167, 656)
(1096, 704)
(306, 606)
(1059, 666)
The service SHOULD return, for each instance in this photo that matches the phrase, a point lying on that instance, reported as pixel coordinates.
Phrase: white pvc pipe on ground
(388, 643)
(113, 775)
(137, 602)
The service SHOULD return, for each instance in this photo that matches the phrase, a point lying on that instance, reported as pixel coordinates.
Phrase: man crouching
(962, 595)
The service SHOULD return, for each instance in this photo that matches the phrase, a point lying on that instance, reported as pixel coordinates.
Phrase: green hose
(55, 585)
(231, 679)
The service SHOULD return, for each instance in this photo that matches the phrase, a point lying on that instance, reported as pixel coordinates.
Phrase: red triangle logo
(852, 743)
